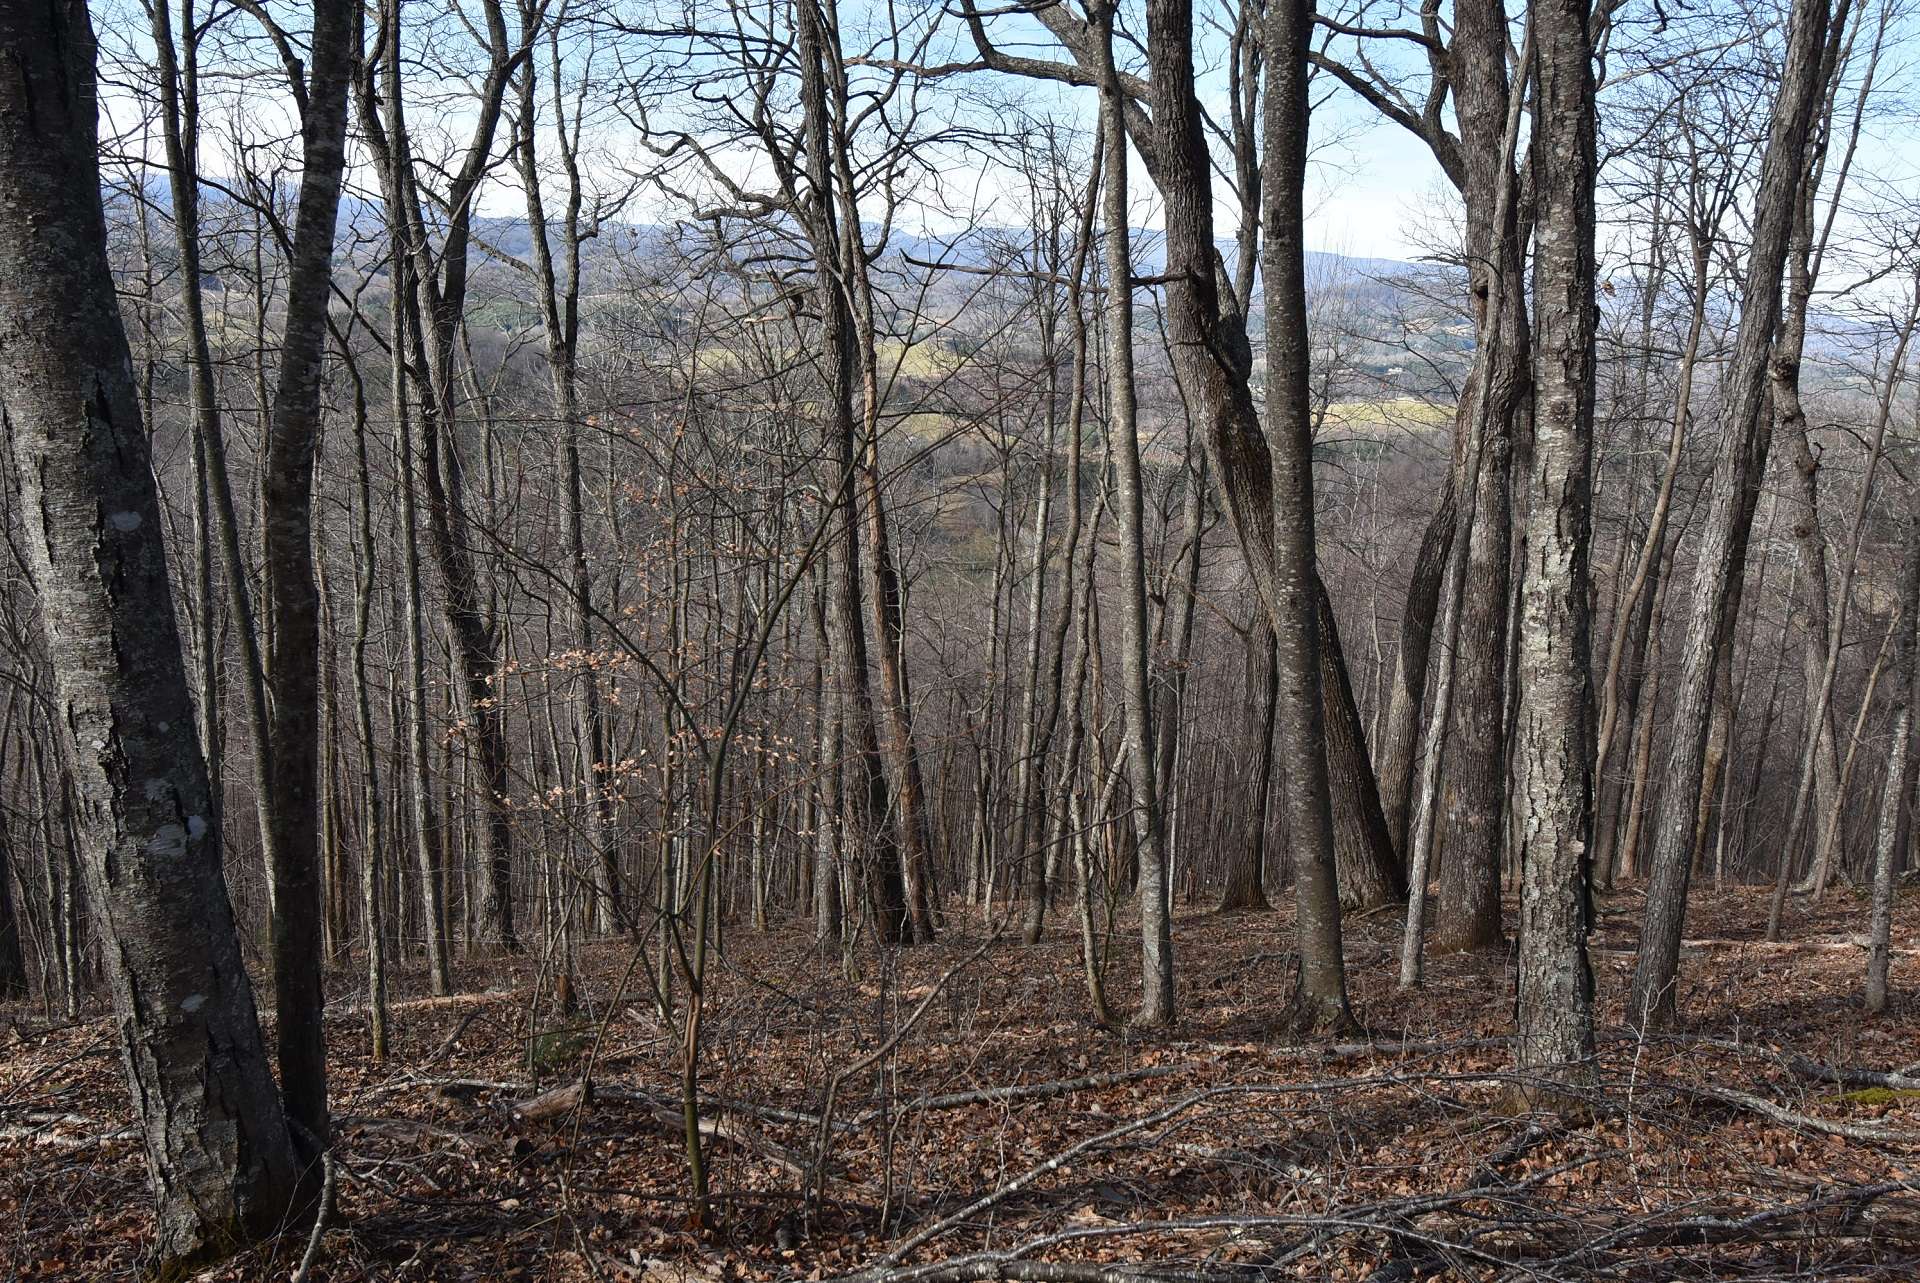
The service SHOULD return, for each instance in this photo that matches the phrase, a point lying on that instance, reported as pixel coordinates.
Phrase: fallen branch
(1787, 1117)
(36, 1129)
(1849, 1076)
(369, 1123)
(1033, 1091)
(1166, 1113)
(329, 1193)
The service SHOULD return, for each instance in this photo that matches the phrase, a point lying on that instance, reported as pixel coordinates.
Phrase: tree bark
(294, 599)
(1123, 446)
(1295, 595)
(1554, 712)
(1739, 464)
(1894, 794)
(1246, 868)
(1370, 872)
(220, 1156)
(1400, 743)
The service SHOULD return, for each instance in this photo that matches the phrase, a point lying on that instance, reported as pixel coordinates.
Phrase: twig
(329, 1191)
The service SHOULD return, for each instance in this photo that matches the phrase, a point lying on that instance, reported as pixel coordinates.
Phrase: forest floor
(1216, 1151)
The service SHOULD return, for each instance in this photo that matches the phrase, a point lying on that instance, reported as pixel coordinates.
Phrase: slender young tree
(1320, 995)
(1738, 465)
(293, 437)
(557, 292)
(1886, 844)
(1123, 448)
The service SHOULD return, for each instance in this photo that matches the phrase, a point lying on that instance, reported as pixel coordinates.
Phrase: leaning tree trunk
(1369, 868)
(220, 1156)
(1723, 543)
(1400, 742)
(1799, 471)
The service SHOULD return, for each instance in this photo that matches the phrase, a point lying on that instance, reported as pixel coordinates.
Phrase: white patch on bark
(125, 522)
(194, 1002)
(168, 839)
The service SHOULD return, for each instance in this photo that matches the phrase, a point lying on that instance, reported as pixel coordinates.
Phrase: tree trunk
(1400, 743)
(434, 293)
(222, 1162)
(13, 966)
(294, 598)
(1295, 597)
(1370, 872)
(865, 800)
(373, 850)
(1886, 846)
(1554, 713)
(1723, 544)
(1467, 911)
(1123, 446)
(1246, 867)
(402, 344)
(558, 294)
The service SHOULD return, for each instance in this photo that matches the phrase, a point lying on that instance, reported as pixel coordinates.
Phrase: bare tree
(1738, 466)
(220, 1155)
(1555, 793)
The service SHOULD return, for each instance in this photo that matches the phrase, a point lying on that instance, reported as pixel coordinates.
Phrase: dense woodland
(777, 640)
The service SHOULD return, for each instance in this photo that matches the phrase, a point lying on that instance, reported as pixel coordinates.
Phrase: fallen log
(557, 1103)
